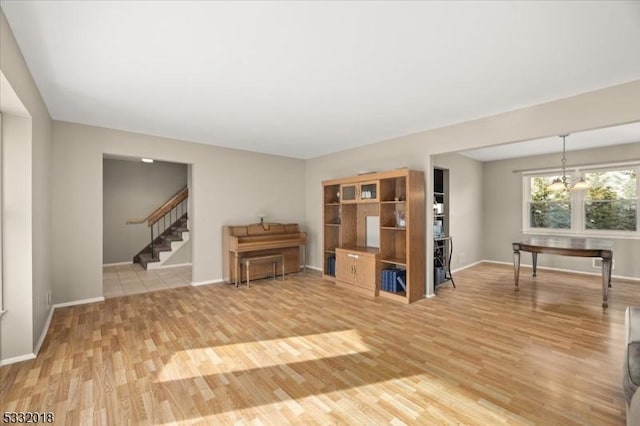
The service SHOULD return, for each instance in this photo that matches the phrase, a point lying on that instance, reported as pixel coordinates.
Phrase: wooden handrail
(165, 208)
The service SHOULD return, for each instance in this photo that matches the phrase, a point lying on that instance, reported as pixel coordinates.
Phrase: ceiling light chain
(564, 160)
(564, 184)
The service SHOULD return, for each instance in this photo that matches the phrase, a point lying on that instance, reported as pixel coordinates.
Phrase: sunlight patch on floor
(261, 354)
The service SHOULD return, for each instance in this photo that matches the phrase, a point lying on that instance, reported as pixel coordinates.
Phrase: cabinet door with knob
(356, 269)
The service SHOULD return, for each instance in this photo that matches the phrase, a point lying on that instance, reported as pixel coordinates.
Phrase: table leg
(516, 267)
(606, 273)
(282, 261)
(450, 241)
(534, 257)
(610, 269)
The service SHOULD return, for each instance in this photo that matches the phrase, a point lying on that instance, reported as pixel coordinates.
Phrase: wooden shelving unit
(376, 222)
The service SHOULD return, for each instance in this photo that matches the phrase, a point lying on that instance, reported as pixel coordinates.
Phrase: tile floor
(121, 280)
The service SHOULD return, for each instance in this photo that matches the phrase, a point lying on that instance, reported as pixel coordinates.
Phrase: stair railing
(174, 209)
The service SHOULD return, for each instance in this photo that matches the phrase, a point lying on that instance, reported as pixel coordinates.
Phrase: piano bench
(274, 258)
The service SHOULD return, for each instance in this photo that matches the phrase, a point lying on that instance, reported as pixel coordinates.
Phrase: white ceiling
(304, 79)
(616, 135)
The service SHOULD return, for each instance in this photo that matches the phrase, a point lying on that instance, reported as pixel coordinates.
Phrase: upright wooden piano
(261, 239)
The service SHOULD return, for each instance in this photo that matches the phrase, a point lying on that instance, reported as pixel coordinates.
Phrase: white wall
(133, 189)
(465, 207)
(1, 221)
(227, 186)
(37, 188)
(180, 256)
(17, 323)
(503, 209)
(41, 214)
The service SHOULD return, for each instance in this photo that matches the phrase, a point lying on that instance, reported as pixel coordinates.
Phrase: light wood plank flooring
(305, 352)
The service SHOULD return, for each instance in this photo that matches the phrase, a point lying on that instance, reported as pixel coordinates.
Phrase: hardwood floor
(307, 352)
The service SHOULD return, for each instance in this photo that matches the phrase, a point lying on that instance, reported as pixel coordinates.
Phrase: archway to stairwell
(132, 191)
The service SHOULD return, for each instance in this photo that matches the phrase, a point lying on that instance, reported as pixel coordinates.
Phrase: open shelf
(393, 245)
(393, 190)
(396, 261)
(391, 213)
(332, 194)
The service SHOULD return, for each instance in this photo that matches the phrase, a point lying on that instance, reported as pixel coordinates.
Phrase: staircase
(169, 229)
(171, 239)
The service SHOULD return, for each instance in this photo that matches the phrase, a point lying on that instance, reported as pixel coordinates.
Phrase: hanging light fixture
(581, 185)
(563, 183)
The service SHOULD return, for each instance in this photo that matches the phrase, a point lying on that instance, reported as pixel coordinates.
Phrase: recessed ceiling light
(147, 160)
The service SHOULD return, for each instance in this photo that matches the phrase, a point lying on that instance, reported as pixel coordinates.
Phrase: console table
(580, 247)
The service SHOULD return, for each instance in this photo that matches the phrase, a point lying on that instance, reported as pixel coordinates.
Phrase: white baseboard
(15, 359)
(314, 268)
(199, 283)
(498, 262)
(429, 296)
(172, 266)
(45, 329)
(467, 266)
(572, 271)
(78, 302)
(117, 263)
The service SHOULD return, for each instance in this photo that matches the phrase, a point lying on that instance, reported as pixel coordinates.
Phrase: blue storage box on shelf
(393, 280)
(331, 265)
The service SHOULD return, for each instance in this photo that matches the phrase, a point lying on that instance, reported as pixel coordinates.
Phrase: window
(611, 202)
(608, 208)
(548, 209)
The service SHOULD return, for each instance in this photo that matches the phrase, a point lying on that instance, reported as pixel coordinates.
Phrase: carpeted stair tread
(146, 258)
(173, 237)
(163, 242)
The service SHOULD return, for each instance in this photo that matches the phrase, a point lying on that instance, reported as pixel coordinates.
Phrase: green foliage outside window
(611, 203)
(548, 209)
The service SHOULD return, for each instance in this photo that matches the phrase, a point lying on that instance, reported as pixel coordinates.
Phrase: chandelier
(564, 183)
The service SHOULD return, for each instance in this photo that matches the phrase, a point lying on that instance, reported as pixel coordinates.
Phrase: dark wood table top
(568, 243)
(568, 246)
